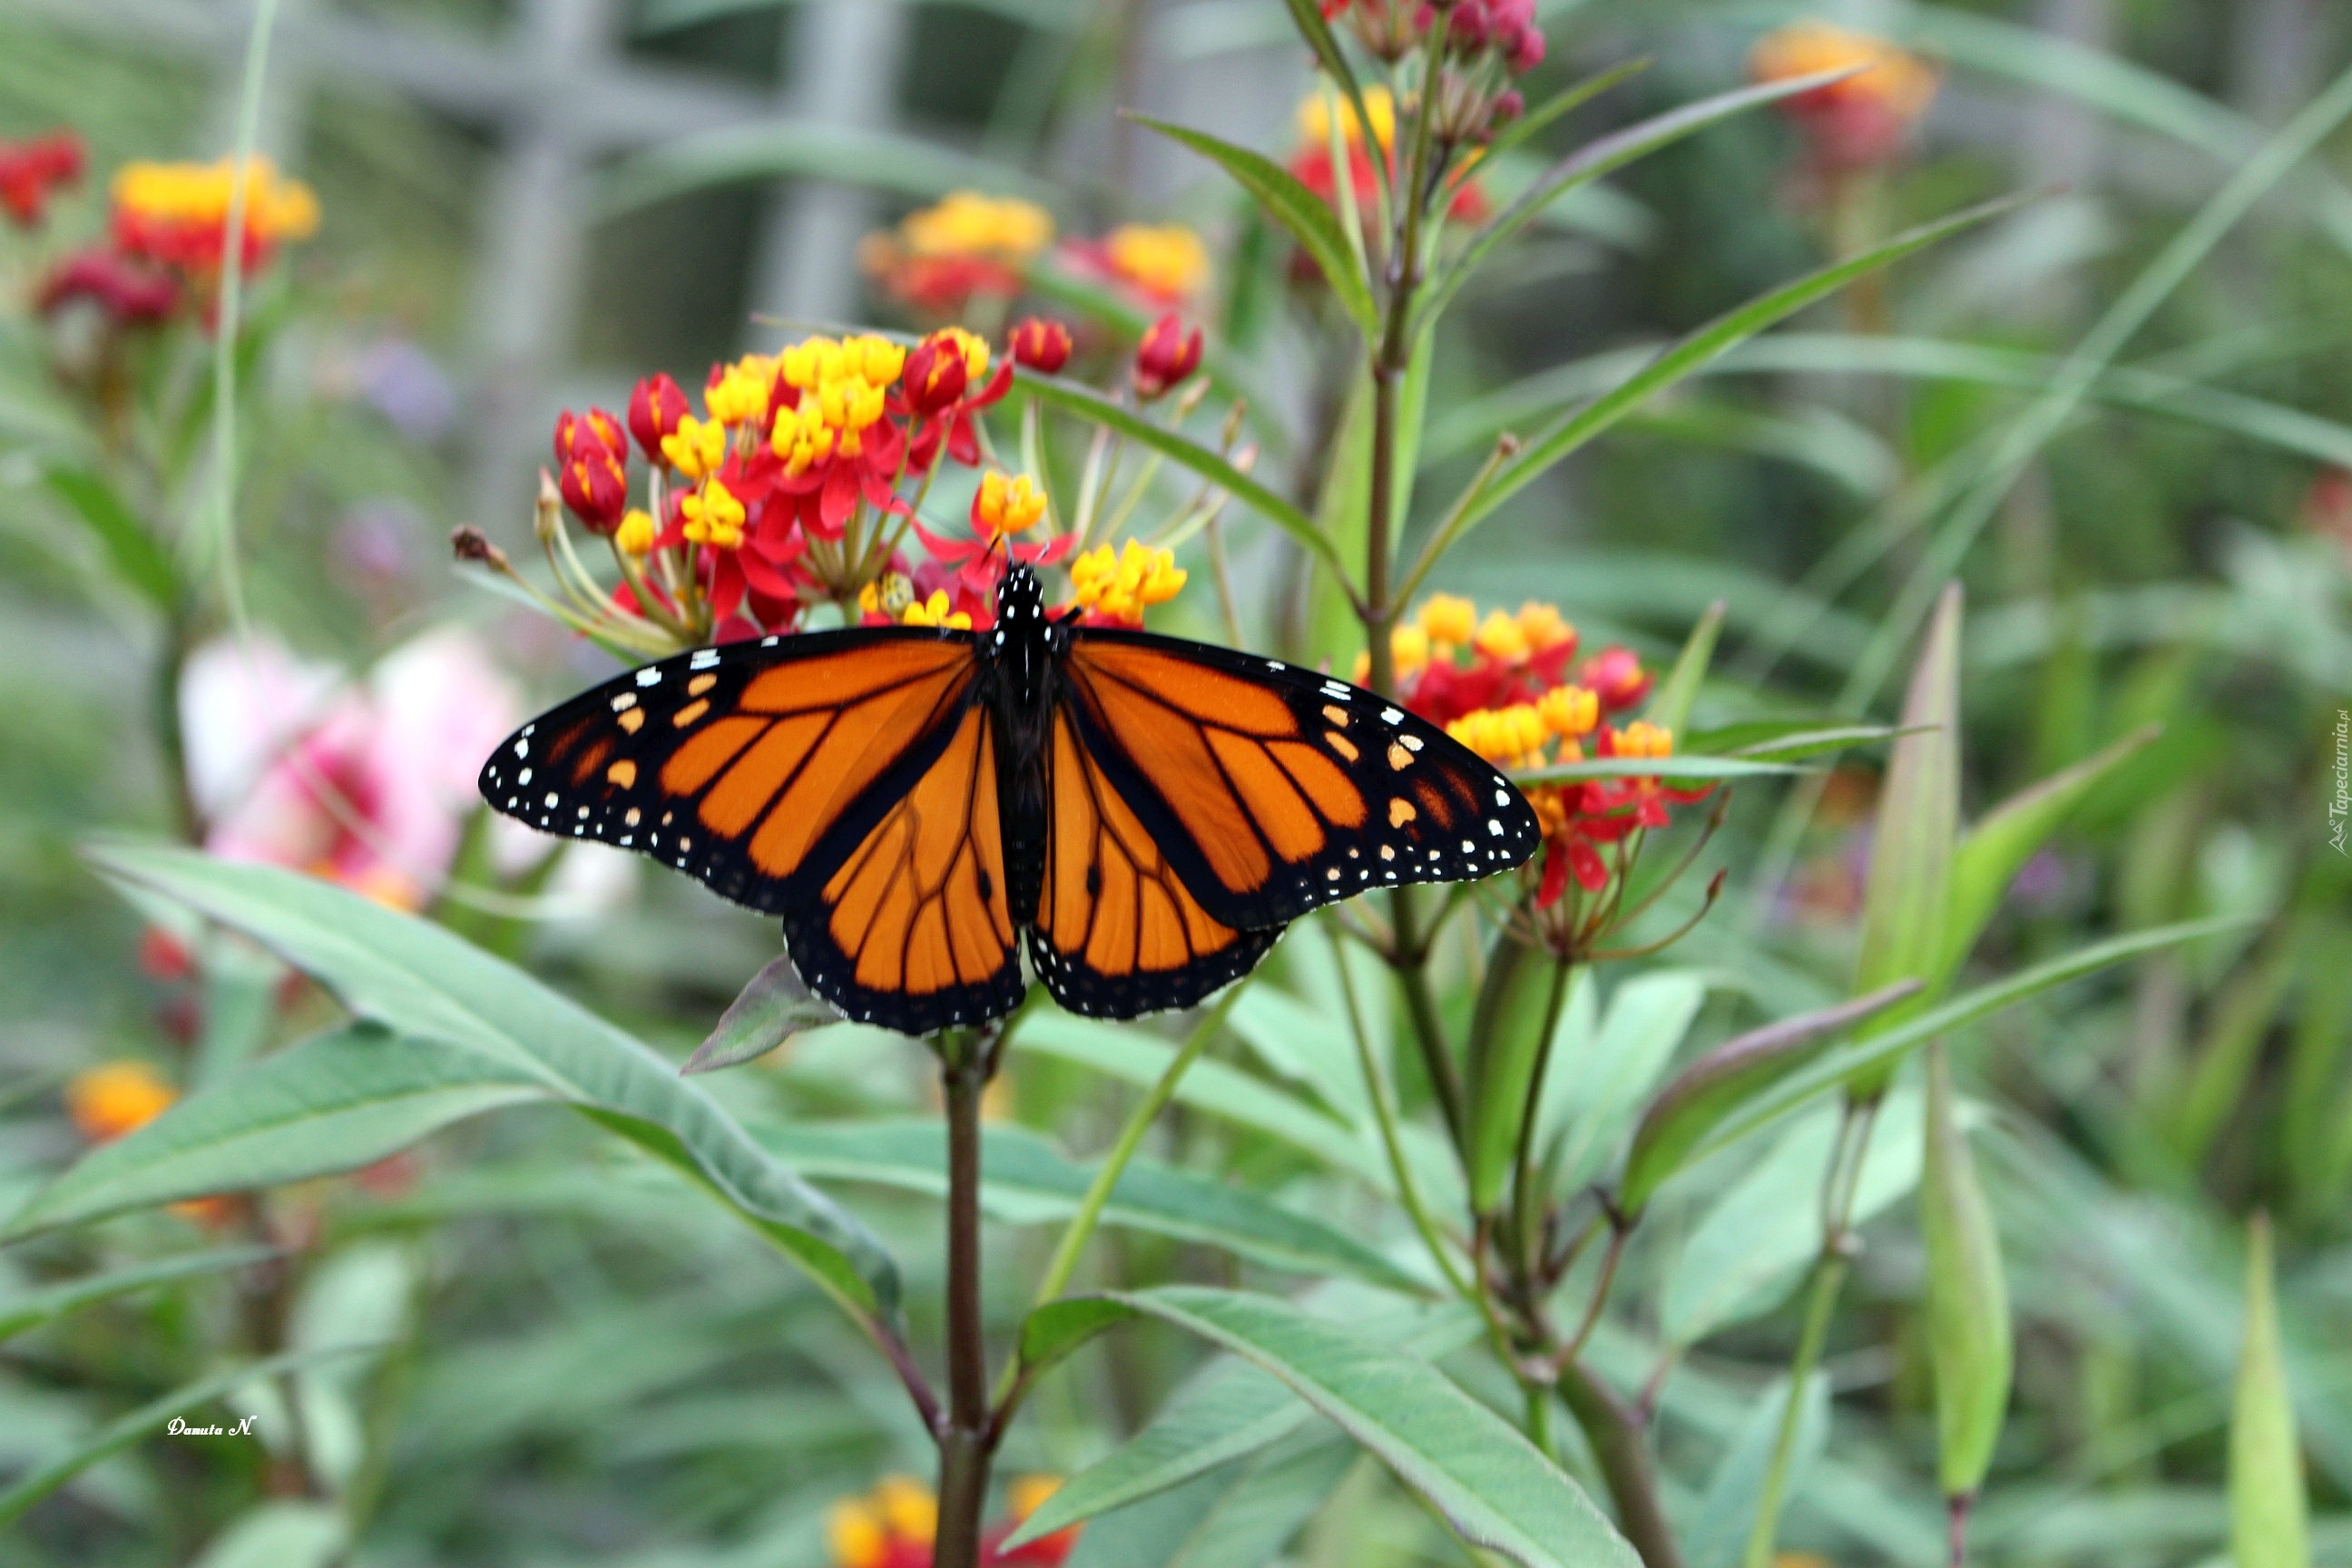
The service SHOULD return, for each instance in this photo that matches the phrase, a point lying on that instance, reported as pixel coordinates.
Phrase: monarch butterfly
(1149, 813)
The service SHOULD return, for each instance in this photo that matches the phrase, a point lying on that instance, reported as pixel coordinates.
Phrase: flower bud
(1615, 675)
(575, 432)
(1508, 105)
(1527, 49)
(590, 474)
(1166, 356)
(1040, 345)
(935, 376)
(655, 406)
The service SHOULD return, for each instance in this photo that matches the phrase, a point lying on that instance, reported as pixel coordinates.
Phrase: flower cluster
(1477, 31)
(893, 1526)
(1860, 122)
(939, 258)
(168, 235)
(801, 482)
(31, 170)
(1502, 686)
(1161, 265)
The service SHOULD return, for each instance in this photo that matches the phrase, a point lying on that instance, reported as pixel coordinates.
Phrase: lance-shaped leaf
(2001, 844)
(1710, 1089)
(1609, 153)
(1719, 336)
(1967, 1298)
(1229, 1409)
(1670, 705)
(1026, 1181)
(31, 1309)
(1307, 216)
(1686, 767)
(2269, 1527)
(1908, 894)
(418, 979)
(1883, 1052)
(1490, 1483)
(147, 1420)
(764, 1014)
(137, 558)
(1187, 453)
(335, 1102)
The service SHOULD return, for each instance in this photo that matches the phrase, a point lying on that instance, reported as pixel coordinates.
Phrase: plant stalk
(1615, 1432)
(965, 1441)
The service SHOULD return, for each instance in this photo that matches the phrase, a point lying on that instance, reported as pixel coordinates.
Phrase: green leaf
(1592, 1094)
(131, 550)
(764, 1015)
(1307, 16)
(1712, 1088)
(1290, 203)
(1726, 1510)
(1240, 1516)
(33, 1308)
(1881, 1052)
(1998, 848)
(1967, 1298)
(147, 1421)
(1491, 1485)
(1519, 1010)
(877, 160)
(335, 1102)
(1670, 705)
(1229, 1409)
(1907, 898)
(418, 979)
(2268, 1511)
(1134, 1055)
(1678, 767)
(1595, 159)
(1181, 450)
(282, 1533)
(1687, 355)
(1561, 102)
(1027, 1181)
(1792, 743)
(1756, 1241)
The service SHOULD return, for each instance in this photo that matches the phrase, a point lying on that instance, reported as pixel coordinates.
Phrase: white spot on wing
(1391, 716)
(704, 658)
(649, 677)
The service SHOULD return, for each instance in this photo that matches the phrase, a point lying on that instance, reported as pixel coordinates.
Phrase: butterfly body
(1144, 815)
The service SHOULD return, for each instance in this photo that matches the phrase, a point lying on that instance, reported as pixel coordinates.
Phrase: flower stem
(966, 1441)
(1615, 1431)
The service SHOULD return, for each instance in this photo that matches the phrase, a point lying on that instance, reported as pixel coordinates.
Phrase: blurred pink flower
(364, 783)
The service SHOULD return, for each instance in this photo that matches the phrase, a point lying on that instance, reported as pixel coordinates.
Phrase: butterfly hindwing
(755, 767)
(1273, 789)
(911, 930)
(1117, 932)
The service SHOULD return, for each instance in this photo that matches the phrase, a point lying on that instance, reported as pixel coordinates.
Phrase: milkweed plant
(1456, 1198)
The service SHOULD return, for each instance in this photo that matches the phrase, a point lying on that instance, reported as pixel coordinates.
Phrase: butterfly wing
(845, 780)
(1118, 931)
(1272, 790)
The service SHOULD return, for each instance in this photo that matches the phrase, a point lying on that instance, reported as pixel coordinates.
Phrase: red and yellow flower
(1861, 121)
(1312, 164)
(1114, 587)
(941, 258)
(176, 215)
(1511, 702)
(893, 1526)
(1160, 265)
(112, 1101)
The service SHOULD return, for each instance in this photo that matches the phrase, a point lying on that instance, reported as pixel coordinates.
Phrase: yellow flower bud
(1543, 627)
(909, 1507)
(1449, 621)
(1569, 712)
(1644, 738)
(1499, 637)
(855, 1535)
(713, 516)
(1409, 650)
(636, 533)
(934, 611)
(697, 447)
(1007, 504)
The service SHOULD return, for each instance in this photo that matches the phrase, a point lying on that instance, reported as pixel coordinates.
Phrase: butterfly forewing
(756, 767)
(1273, 789)
(1118, 931)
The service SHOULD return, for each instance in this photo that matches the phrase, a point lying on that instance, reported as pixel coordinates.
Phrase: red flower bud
(1507, 107)
(1527, 49)
(655, 406)
(589, 468)
(1468, 29)
(1615, 675)
(128, 293)
(1040, 344)
(30, 170)
(572, 431)
(1167, 355)
(935, 375)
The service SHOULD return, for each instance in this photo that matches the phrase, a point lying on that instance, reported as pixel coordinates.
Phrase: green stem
(1526, 1207)
(1615, 1434)
(1384, 1115)
(1839, 1186)
(1081, 1227)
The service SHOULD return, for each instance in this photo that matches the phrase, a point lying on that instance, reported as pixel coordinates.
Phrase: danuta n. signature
(242, 1428)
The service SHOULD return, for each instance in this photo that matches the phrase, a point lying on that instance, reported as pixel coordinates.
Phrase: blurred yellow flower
(966, 223)
(1118, 585)
(119, 1098)
(1315, 117)
(1166, 261)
